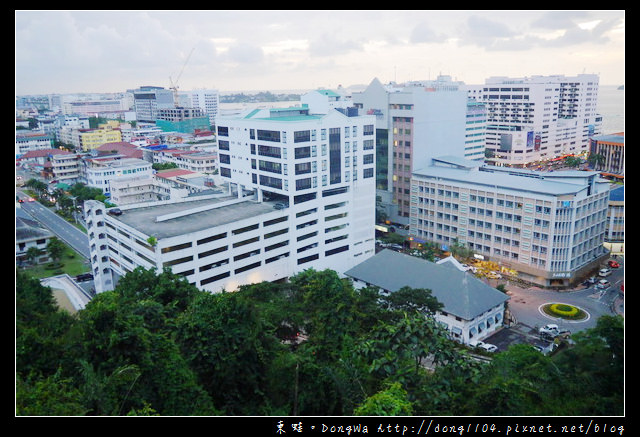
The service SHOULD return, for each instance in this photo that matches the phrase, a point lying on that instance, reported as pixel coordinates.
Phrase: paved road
(64, 230)
(525, 305)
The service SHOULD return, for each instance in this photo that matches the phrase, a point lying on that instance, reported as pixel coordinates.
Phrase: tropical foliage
(314, 346)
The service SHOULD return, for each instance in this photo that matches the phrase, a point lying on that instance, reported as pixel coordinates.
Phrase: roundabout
(564, 312)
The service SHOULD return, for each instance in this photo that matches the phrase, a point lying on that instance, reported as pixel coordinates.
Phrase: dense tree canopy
(315, 345)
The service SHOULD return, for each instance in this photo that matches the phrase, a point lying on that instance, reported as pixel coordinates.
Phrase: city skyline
(59, 52)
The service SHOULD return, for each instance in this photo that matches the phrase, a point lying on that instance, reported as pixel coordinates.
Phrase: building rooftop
(462, 294)
(611, 138)
(617, 194)
(550, 183)
(174, 219)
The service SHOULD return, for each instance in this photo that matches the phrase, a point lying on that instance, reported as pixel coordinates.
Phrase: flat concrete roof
(191, 216)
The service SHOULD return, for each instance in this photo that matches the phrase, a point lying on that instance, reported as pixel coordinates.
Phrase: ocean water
(611, 107)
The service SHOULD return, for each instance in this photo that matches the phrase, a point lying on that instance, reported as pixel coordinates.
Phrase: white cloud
(74, 51)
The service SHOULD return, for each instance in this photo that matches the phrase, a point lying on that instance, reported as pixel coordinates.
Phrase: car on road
(613, 264)
(603, 283)
(604, 272)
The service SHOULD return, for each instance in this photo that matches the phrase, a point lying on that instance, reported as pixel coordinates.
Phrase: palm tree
(596, 160)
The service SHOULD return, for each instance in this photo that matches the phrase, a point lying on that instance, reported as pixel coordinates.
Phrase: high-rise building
(147, 100)
(301, 195)
(538, 118)
(414, 122)
(547, 226)
(207, 100)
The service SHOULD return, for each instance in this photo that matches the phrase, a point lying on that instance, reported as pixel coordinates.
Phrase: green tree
(55, 248)
(596, 160)
(222, 338)
(392, 401)
(594, 370)
(330, 304)
(41, 329)
(50, 396)
(572, 161)
(120, 331)
(408, 299)
(33, 253)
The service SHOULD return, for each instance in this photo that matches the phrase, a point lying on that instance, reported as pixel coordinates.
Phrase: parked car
(613, 264)
(549, 331)
(604, 272)
(488, 347)
(468, 268)
(482, 345)
(493, 275)
(281, 205)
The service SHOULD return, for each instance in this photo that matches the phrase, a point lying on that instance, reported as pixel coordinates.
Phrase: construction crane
(174, 85)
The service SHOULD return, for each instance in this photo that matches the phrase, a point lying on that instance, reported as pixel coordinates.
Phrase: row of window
(298, 136)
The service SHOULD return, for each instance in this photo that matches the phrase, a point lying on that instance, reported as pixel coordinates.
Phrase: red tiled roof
(172, 173)
(122, 148)
(44, 152)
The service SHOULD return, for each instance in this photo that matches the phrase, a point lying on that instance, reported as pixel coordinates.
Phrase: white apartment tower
(321, 166)
(415, 123)
(301, 195)
(537, 118)
(206, 99)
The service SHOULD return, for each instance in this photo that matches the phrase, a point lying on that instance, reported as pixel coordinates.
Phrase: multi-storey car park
(305, 198)
(547, 226)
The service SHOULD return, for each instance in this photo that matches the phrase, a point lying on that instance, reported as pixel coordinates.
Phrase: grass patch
(71, 263)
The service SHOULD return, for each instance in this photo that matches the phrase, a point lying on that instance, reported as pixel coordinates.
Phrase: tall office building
(301, 195)
(414, 122)
(548, 226)
(147, 100)
(538, 118)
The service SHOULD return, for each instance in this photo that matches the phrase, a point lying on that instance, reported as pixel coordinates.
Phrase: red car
(614, 264)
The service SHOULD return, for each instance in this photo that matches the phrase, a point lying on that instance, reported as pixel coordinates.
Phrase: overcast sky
(112, 51)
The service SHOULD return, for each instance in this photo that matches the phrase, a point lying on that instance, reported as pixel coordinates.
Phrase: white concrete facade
(304, 201)
(421, 121)
(547, 226)
(538, 118)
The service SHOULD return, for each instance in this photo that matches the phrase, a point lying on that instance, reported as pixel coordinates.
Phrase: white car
(604, 272)
(482, 345)
(603, 283)
(550, 330)
(489, 347)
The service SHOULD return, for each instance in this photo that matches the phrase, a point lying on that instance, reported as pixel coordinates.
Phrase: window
(269, 135)
(301, 136)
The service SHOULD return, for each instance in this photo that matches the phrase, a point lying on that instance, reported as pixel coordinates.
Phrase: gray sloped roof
(461, 293)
